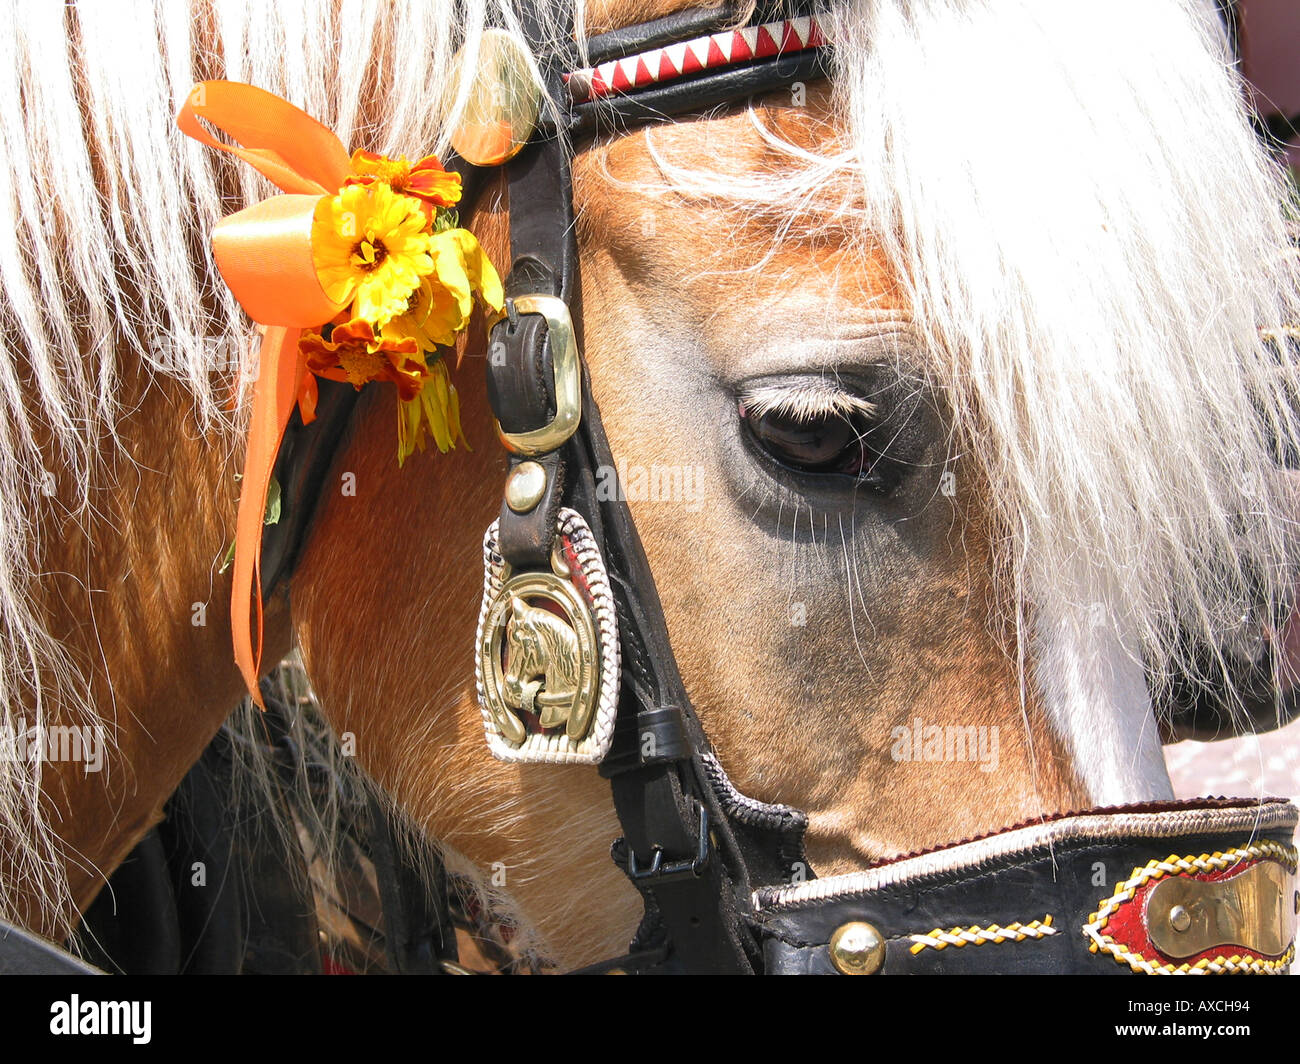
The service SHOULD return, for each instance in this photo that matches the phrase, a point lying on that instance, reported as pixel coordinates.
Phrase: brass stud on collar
(1179, 918)
(525, 486)
(857, 948)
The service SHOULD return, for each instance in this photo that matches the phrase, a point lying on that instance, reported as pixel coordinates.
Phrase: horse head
(933, 501)
(540, 647)
(939, 403)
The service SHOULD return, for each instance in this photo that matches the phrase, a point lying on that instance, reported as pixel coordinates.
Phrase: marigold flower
(432, 316)
(425, 179)
(353, 353)
(463, 270)
(440, 308)
(370, 249)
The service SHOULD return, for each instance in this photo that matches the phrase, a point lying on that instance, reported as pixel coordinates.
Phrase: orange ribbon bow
(265, 255)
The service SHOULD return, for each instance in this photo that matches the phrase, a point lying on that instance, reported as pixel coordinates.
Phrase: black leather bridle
(693, 848)
(724, 879)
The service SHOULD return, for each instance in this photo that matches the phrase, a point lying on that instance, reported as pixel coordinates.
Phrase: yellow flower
(441, 306)
(430, 317)
(463, 269)
(370, 249)
(436, 406)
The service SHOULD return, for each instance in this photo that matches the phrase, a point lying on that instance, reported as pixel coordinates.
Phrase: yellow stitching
(1173, 864)
(977, 936)
(1220, 965)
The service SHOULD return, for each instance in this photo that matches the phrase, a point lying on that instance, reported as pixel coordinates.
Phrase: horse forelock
(1090, 238)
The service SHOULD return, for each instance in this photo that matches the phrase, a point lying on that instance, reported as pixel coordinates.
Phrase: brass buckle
(568, 378)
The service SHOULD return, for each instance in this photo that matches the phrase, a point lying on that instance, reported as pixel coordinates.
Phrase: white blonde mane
(1087, 230)
(1091, 238)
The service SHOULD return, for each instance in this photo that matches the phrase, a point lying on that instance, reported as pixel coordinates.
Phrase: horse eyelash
(808, 401)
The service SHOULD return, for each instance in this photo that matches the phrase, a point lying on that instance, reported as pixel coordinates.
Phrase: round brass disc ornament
(502, 103)
(857, 948)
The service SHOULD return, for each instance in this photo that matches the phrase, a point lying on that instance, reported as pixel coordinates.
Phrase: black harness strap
(696, 95)
(307, 452)
(419, 933)
(682, 848)
(301, 466)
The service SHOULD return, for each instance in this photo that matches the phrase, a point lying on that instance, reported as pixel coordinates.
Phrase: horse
(540, 649)
(960, 347)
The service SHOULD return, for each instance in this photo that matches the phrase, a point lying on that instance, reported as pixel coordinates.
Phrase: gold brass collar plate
(1254, 909)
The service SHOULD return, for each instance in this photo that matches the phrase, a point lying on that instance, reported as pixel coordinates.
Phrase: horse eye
(830, 443)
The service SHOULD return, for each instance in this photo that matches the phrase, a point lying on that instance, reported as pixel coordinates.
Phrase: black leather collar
(1067, 895)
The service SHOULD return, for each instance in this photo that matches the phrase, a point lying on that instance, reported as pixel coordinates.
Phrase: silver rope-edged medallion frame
(546, 655)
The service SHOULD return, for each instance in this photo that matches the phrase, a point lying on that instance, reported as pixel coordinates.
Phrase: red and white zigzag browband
(690, 57)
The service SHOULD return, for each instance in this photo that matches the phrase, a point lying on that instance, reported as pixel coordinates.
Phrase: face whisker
(849, 576)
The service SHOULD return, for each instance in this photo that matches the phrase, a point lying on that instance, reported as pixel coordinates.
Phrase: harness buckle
(657, 870)
(567, 368)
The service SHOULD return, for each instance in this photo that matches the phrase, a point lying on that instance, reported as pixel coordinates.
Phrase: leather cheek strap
(660, 802)
(521, 389)
(521, 382)
(685, 855)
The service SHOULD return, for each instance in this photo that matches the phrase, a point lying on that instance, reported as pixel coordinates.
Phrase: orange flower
(353, 353)
(426, 179)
